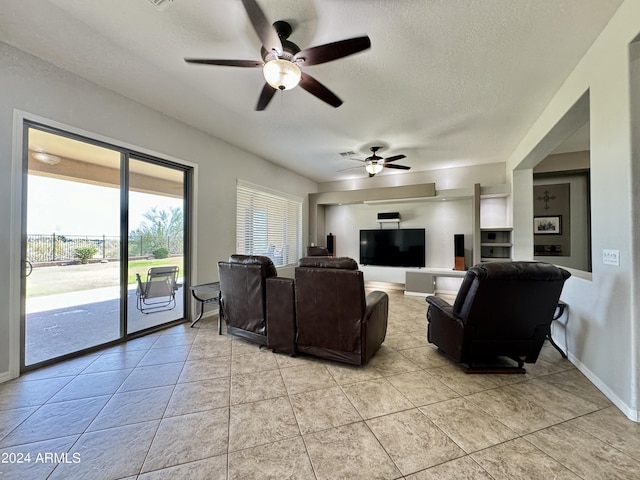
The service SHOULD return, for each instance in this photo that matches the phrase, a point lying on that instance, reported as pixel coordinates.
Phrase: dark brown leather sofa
(281, 313)
(256, 304)
(502, 309)
(334, 318)
(315, 251)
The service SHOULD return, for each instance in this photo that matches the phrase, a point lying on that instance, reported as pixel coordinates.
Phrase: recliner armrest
(374, 323)
(281, 315)
(443, 329)
(374, 300)
(441, 305)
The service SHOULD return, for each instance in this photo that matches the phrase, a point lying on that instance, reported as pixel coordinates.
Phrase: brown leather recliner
(244, 295)
(316, 251)
(502, 309)
(334, 318)
(256, 304)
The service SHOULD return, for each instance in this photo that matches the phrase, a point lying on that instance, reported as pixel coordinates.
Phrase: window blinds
(268, 223)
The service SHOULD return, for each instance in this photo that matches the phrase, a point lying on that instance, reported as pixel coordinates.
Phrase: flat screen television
(403, 247)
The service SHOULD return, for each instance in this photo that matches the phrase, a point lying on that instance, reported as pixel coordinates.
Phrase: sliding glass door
(156, 244)
(98, 221)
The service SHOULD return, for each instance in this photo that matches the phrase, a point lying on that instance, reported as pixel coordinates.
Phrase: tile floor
(187, 403)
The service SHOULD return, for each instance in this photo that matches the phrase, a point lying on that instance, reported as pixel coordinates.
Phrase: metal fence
(59, 248)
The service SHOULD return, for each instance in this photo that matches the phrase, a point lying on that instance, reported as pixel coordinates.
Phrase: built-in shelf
(489, 191)
(495, 244)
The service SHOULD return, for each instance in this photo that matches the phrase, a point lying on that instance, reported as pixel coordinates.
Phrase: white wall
(440, 219)
(602, 329)
(445, 179)
(634, 259)
(42, 90)
(494, 213)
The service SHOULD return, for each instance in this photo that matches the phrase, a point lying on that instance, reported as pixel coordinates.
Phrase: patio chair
(158, 293)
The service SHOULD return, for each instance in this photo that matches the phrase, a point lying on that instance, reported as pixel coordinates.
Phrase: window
(268, 223)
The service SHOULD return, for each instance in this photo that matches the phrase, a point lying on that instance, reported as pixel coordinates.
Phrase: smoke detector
(160, 4)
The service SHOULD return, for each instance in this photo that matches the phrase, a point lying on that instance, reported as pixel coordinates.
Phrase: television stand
(424, 282)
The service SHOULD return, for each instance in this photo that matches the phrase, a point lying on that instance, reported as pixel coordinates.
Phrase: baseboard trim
(631, 413)
(207, 313)
(373, 285)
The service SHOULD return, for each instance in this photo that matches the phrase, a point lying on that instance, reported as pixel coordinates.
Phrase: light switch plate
(611, 257)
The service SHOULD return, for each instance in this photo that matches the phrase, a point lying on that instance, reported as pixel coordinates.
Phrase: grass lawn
(74, 278)
(142, 266)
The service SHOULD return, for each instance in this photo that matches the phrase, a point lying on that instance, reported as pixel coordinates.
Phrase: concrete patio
(66, 322)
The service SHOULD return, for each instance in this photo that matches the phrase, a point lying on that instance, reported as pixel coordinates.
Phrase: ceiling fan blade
(314, 87)
(228, 63)
(265, 96)
(394, 158)
(399, 167)
(265, 31)
(332, 51)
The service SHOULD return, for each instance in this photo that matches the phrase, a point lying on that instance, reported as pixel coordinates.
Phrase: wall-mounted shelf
(495, 244)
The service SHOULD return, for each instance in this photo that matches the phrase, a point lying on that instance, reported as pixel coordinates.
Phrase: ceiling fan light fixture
(374, 167)
(281, 74)
(45, 158)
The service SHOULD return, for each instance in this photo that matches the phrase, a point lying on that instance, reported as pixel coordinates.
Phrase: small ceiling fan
(375, 163)
(282, 59)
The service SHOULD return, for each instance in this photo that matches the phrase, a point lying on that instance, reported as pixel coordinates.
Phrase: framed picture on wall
(547, 225)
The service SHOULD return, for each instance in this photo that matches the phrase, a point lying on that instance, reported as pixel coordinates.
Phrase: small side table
(208, 293)
(557, 314)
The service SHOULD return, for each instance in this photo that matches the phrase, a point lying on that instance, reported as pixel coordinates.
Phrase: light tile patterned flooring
(187, 403)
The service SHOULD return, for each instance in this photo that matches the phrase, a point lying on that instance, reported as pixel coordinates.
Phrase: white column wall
(602, 336)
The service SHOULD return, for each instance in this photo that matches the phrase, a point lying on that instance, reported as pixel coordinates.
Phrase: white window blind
(268, 223)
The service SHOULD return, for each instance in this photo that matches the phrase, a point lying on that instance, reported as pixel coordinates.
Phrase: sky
(72, 208)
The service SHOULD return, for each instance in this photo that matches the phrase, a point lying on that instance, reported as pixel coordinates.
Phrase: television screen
(393, 248)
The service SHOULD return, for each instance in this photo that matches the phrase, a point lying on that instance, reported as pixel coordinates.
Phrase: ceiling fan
(282, 59)
(375, 163)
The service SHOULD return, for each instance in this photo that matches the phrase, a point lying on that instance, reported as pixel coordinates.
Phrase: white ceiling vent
(160, 4)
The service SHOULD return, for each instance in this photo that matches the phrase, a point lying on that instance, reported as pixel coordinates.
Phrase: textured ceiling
(446, 82)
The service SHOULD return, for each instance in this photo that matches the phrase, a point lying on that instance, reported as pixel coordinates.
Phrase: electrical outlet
(611, 257)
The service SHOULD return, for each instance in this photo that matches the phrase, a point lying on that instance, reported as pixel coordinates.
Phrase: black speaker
(458, 245)
(458, 251)
(331, 244)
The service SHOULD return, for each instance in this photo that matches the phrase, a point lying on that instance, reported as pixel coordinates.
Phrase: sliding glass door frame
(125, 154)
(124, 241)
